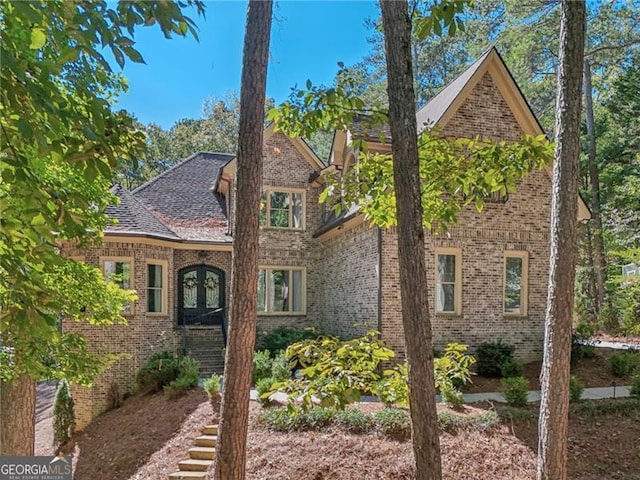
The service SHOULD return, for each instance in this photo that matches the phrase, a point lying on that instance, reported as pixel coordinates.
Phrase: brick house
(174, 239)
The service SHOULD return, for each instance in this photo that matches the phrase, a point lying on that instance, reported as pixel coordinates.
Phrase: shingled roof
(185, 200)
(134, 217)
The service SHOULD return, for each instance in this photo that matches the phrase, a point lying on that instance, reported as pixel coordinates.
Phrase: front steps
(205, 345)
(200, 457)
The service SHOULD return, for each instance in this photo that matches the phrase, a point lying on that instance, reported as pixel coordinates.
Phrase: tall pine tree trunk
(17, 414)
(597, 242)
(234, 416)
(411, 246)
(554, 405)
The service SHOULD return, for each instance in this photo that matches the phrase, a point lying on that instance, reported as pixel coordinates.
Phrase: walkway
(596, 393)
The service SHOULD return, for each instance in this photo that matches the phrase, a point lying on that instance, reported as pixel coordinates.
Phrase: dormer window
(282, 208)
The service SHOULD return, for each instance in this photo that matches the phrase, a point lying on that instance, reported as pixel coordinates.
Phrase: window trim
(132, 285)
(524, 285)
(268, 313)
(164, 311)
(276, 189)
(457, 299)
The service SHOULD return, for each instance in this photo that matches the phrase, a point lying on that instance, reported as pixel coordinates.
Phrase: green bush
(393, 422)
(160, 370)
(283, 420)
(263, 386)
(188, 377)
(580, 350)
(491, 356)
(576, 388)
(354, 420)
(63, 417)
(261, 366)
(453, 367)
(280, 367)
(393, 388)
(512, 368)
(211, 385)
(515, 390)
(622, 364)
(450, 422)
(451, 396)
(337, 372)
(635, 384)
(280, 338)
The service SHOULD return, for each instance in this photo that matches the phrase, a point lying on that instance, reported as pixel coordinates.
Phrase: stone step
(210, 430)
(202, 453)
(195, 465)
(187, 475)
(206, 441)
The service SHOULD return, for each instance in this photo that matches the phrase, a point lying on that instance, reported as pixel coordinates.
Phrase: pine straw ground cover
(147, 436)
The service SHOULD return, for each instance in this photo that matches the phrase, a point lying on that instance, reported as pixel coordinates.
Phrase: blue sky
(308, 38)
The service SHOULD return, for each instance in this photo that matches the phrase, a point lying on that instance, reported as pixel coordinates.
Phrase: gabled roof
(185, 199)
(299, 143)
(133, 217)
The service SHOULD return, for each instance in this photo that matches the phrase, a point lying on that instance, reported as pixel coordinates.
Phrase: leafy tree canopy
(60, 140)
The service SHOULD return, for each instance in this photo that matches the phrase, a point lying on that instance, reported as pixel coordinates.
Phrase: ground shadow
(118, 442)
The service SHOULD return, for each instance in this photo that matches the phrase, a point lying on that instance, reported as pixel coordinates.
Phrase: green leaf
(38, 38)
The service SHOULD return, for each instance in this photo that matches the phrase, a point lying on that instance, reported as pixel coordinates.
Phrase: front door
(201, 296)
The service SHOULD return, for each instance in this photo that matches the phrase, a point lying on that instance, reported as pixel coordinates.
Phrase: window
(516, 265)
(448, 281)
(281, 291)
(119, 270)
(157, 287)
(282, 209)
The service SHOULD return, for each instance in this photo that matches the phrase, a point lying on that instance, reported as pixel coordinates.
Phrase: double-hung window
(281, 291)
(282, 209)
(157, 287)
(119, 270)
(516, 266)
(448, 280)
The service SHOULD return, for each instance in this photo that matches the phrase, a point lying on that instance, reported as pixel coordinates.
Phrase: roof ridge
(182, 162)
(472, 67)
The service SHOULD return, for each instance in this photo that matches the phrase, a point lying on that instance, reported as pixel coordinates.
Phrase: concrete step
(206, 441)
(202, 453)
(187, 475)
(210, 430)
(194, 465)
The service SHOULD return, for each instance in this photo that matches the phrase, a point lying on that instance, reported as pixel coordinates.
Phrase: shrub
(512, 368)
(335, 371)
(491, 356)
(160, 370)
(63, 417)
(452, 369)
(280, 368)
(393, 388)
(635, 384)
(623, 363)
(393, 422)
(280, 338)
(261, 366)
(452, 396)
(450, 422)
(263, 387)
(211, 385)
(187, 377)
(354, 420)
(580, 350)
(576, 388)
(515, 390)
(283, 420)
